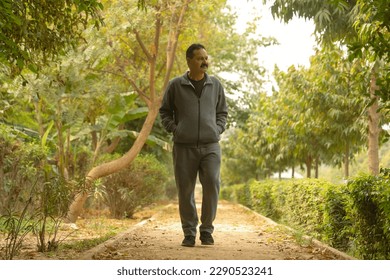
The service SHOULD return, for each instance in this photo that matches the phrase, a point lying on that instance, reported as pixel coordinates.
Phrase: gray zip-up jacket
(194, 120)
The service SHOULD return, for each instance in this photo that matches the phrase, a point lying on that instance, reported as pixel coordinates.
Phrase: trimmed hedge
(353, 217)
(369, 212)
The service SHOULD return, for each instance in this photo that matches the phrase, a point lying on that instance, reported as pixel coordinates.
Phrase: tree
(315, 116)
(295, 113)
(352, 23)
(32, 32)
(371, 20)
(151, 93)
(338, 100)
(68, 103)
(243, 158)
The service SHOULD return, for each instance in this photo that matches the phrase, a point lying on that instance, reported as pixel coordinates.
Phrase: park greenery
(80, 87)
(352, 217)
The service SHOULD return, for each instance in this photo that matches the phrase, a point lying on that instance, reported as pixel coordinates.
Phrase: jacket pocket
(209, 133)
(185, 133)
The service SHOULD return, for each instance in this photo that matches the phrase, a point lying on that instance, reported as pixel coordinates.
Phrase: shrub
(354, 218)
(170, 188)
(243, 195)
(227, 192)
(20, 169)
(306, 203)
(369, 210)
(137, 186)
(262, 200)
(238, 193)
(33, 196)
(19, 176)
(336, 224)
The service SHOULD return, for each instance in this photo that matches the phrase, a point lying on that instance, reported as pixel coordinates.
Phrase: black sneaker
(188, 241)
(206, 238)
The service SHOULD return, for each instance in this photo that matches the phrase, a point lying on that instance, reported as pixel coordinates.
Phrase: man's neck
(196, 77)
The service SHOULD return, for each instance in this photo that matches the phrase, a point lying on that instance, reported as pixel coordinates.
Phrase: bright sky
(296, 42)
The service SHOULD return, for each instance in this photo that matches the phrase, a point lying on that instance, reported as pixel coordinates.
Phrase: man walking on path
(194, 109)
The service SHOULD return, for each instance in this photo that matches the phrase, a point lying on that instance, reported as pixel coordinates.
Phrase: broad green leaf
(46, 134)
(134, 114)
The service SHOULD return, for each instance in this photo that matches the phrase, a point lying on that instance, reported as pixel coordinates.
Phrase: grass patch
(86, 244)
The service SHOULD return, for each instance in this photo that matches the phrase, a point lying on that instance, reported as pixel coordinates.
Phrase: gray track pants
(188, 161)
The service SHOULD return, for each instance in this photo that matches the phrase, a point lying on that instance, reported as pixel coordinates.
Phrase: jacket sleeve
(222, 110)
(167, 111)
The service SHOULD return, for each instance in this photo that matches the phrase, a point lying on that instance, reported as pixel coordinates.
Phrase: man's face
(199, 63)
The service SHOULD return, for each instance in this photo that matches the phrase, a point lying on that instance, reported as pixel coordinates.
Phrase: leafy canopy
(33, 31)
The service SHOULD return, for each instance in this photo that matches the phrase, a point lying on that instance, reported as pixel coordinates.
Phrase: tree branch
(142, 45)
(152, 70)
(176, 25)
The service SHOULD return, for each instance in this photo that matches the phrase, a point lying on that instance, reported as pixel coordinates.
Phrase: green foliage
(89, 93)
(228, 192)
(305, 204)
(84, 245)
(316, 116)
(371, 21)
(33, 31)
(299, 202)
(354, 218)
(20, 168)
(336, 225)
(238, 193)
(54, 197)
(263, 201)
(16, 227)
(139, 185)
(370, 213)
(360, 24)
(331, 17)
(363, 26)
(33, 196)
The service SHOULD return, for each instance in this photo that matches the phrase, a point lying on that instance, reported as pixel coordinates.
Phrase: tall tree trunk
(308, 166)
(373, 127)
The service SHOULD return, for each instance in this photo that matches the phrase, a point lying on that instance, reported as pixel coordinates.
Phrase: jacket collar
(186, 81)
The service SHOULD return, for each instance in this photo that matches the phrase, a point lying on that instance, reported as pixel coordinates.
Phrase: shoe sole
(188, 245)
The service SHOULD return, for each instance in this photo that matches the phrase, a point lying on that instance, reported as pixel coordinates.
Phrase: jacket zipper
(197, 143)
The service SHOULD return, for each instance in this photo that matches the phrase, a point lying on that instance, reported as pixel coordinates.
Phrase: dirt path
(240, 234)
